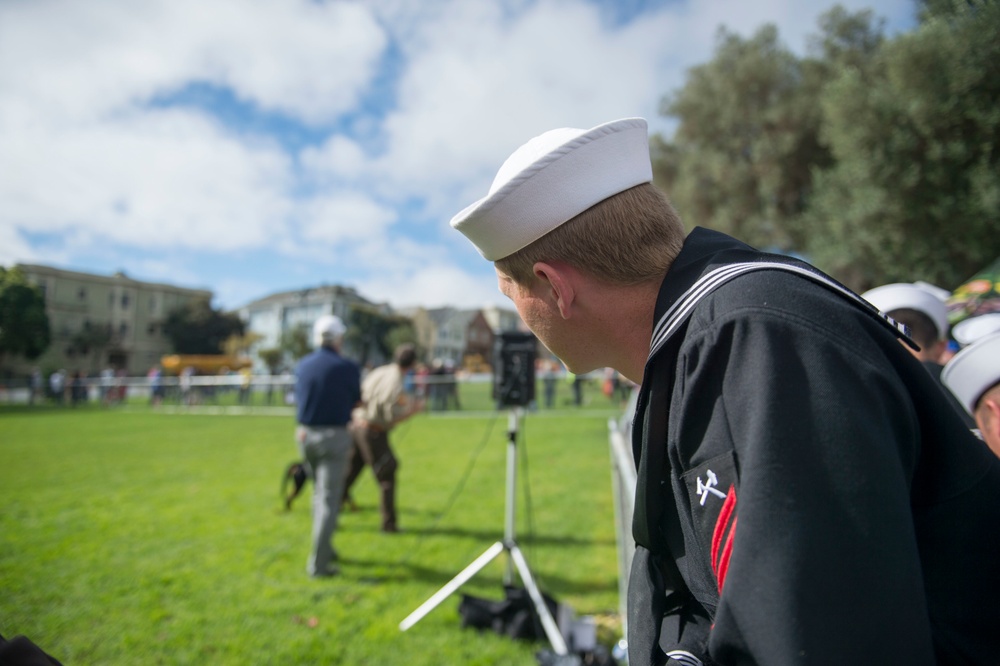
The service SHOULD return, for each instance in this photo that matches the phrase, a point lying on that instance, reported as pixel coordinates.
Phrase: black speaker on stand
(514, 369)
(514, 387)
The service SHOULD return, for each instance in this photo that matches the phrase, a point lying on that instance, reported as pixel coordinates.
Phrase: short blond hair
(627, 239)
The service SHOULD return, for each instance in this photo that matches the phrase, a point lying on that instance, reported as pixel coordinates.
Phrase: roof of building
(118, 277)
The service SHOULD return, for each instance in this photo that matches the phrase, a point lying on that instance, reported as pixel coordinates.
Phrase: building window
(151, 329)
(81, 294)
(124, 301)
(123, 330)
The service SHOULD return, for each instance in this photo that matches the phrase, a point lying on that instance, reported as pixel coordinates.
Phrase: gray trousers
(325, 450)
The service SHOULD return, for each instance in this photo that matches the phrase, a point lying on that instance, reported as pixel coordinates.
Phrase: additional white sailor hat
(552, 179)
(967, 331)
(328, 327)
(901, 295)
(973, 371)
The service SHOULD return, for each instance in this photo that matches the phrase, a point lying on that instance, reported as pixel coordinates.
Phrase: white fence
(623, 489)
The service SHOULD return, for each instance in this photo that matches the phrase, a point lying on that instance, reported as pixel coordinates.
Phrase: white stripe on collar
(682, 308)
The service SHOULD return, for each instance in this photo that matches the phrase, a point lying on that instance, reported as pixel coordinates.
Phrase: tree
(239, 344)
(295, 341)
(91, 340)
(403, 333)
(272, 357)
(198, 328)
(24, 324)
(914, 192)
(747, 136)
(875, 157)
(369, 329)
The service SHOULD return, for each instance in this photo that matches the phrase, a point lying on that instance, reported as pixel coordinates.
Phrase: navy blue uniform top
(805, 494)
(327, 387)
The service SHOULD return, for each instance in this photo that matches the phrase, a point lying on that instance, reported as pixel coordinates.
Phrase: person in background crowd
(77, 388)
(246, 379)
(926, 317)
(155, 377)
(36, 388)
(548, 372)
(805, 492)
(973, 375)
(327, 388)
(384, 406)
(57, 385)
(968, 331)
(106, 391)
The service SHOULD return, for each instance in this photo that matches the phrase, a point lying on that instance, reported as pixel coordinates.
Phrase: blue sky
(255, 146)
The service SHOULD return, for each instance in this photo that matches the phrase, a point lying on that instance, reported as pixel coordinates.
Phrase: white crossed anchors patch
(709, 486)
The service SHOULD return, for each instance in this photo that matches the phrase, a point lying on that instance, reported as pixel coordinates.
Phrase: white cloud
(348, 216)
(431, 286)
(338, 157)
(14, 248)
(76, 59)
(480, 84)
(85, 158)
(152, 179)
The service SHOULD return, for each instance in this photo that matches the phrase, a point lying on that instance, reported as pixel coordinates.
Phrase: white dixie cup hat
(553, 178)
(973, 371)
(901, 295)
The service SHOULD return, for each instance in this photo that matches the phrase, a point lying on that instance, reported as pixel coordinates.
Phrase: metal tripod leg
(516, 557)
(548, 623)
(452, 585)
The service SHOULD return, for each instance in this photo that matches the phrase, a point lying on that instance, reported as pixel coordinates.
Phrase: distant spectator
(57, 385)
(327, 388)
(155, 377)
(548, 373)
(974, 377)
(246, 377)
(36, 386)
(77, 388)
(926, 317)
(384, 405)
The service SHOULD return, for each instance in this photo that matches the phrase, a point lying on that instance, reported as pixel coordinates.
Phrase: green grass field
(130, 536)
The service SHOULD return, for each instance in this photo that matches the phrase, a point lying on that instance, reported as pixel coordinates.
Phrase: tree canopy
(24, 324)
(198, 328)
(370, 330)
(875, 157)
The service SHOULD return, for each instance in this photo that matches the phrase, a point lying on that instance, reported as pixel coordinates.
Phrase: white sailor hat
(967, 331)
(552, 179)
(328, 327)
(973, 371)
(901, 295)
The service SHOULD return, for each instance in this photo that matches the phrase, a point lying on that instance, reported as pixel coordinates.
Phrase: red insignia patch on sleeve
(712, 489)
(722, 538)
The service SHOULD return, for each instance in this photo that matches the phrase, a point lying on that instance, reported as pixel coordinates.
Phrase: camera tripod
(508, 544)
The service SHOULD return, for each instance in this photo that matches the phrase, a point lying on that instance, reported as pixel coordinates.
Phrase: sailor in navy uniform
(805, 492)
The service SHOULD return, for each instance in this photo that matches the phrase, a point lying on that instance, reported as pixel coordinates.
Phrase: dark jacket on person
(805, 493)
(327, 387)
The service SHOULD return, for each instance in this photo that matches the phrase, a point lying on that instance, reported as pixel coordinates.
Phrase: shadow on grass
(484, 535)
(402, 572)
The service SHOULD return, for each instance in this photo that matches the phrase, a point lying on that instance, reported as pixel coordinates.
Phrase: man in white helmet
(805, 494)
(327, 388)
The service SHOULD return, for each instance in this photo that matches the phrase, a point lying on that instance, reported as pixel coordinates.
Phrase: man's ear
(991, 405)
(558, 280)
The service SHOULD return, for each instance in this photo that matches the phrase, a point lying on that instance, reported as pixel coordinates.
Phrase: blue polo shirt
(327, 386)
